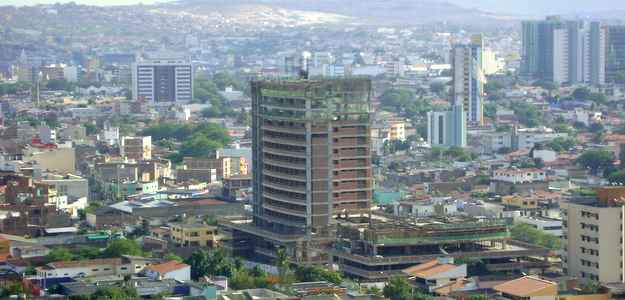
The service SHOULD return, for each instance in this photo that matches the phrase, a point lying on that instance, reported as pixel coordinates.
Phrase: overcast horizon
(518, 7)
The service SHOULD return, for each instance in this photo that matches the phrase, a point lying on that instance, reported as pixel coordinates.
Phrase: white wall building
(548, 225)
(514, 175)
(169, 270)
(163, 81)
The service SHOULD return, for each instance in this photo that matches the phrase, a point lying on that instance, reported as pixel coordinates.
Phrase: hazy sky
(539, 7)
(90, 2)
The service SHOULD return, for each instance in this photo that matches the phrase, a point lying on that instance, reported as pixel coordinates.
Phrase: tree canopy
(529, 234)
(195, 140)
(596, 160)
(121, 247)
(397, 99)
(527, 114)
(561, 144)
(397, 288)
(217, 263)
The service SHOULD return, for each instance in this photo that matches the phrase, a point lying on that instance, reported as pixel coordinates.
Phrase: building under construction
(382, 248)
(312, 162)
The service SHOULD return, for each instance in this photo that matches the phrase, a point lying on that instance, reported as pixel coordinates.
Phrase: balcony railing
(284, 187)
(276, 197)
(280, 163)
(286, 176)
(284, 129)
(352, 164)
(284, 140)
(287, 211)
(284, 152)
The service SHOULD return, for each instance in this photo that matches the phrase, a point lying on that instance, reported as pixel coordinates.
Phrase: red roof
(167, 267)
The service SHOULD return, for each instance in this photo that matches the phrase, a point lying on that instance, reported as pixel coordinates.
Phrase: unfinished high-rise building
(312, 161)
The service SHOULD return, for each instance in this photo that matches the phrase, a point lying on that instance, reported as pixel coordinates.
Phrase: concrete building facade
(163, 81)
(468, 79)
(592, 239)
(447, 128)
(562, 51)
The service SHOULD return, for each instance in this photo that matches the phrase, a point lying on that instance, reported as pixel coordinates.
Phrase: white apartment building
(514, 175)
(592, 241)
(163, 81)
(91, 268)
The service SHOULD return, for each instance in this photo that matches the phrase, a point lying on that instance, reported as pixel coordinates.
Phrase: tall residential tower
(312, 161)
(468, 79)
(561, 51)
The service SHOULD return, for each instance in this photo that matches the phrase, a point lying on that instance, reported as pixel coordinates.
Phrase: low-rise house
(125, 265)
(515, 175)
(528, 287)
(169, 270)
(436, 273)
(194, 235)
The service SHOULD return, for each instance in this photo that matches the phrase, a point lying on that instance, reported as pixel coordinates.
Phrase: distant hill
(542, 7)
(363, 11)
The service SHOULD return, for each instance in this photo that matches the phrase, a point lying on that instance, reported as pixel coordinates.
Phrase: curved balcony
(284, 141)
(285, 129)
(301, 178)
(286, 211)
(284, 187)
(279, 163)
(281, 198)
(352, 165)
(289, 153)
(283, 221)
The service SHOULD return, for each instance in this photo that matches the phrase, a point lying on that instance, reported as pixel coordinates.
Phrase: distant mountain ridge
(542, 7)
(367, 11)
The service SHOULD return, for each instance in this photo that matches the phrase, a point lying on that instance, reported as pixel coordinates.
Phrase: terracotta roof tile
(166, 267)
(428, 269)
(524, 286)
(86, 263)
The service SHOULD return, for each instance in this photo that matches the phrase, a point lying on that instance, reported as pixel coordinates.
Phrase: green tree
(10, 289)
(397, 99)
(422, 296)
(438, 87)
(527, 114)
(60, 254)
(87, 252)
(316, 273)
(281, 262)
(598, 98)
(91, 128)
(199, 146)
(581, 94)
(617, 177)
(173, 256)
(490, 110)
(115, 293)
(215, 263)
(561, 144)
(397, 288)
(596, 128)
(121, 247)
(620, 77)
(529, 234)
(595, 160)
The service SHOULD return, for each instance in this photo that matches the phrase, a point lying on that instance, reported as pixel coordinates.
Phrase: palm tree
(282, 263)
